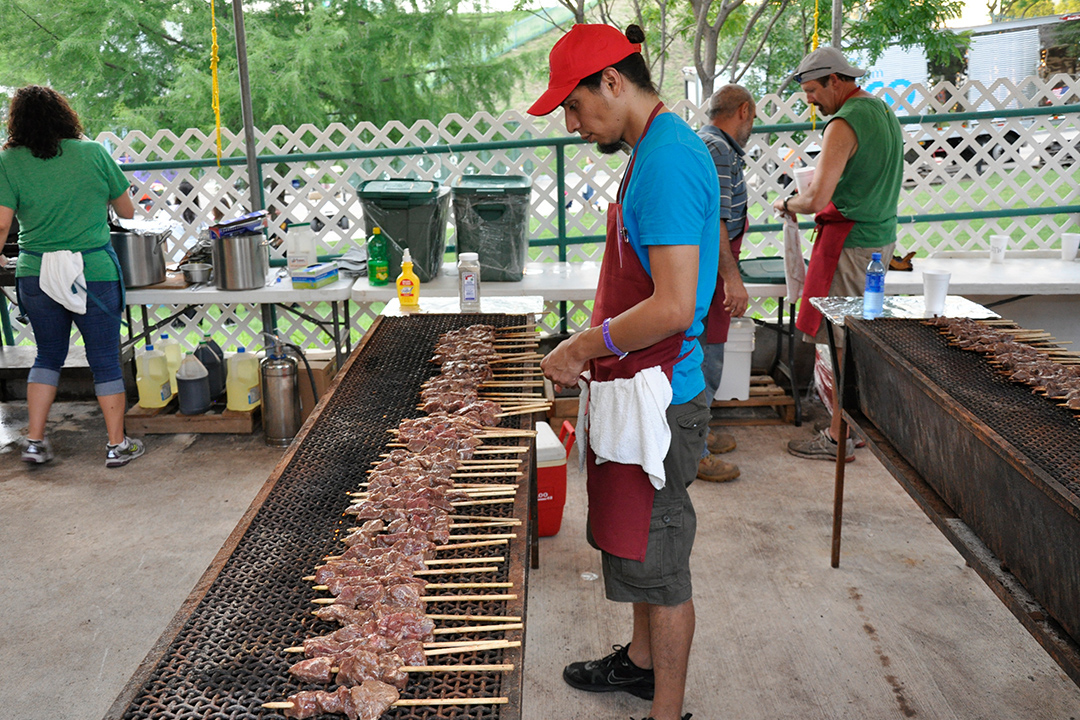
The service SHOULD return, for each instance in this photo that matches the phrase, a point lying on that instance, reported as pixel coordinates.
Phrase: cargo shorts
(663, 578)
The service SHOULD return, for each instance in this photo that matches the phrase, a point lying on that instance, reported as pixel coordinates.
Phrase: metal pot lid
(153, 230)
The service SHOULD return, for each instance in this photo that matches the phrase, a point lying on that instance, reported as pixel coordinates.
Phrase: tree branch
(764, 37)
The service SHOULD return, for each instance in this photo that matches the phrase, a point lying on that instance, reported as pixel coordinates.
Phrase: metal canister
(281, 399)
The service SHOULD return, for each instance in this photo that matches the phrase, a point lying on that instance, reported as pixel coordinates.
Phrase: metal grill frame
(178, 680)
(1017, 525)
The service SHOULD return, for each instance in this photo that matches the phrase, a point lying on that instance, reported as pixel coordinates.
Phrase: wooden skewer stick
(446, 586)
(446, 647)
(464, 545)
(497, 449)
(466, 561)
(488, 523)
(488, 473)
(503, 667)
(512, 383)
(436, 598)
(526, 326)
(526, 411)
(466, 503)
(487, 486)
(473, 618)
(478, 628)
(286, 705)
(424, 573)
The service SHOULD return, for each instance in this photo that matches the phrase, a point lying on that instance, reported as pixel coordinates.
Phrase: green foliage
(146, 63)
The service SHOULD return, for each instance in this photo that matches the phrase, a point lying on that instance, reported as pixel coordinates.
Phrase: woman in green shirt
(60, 186)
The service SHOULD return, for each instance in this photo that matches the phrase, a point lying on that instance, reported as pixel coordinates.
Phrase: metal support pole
(837, 22)
(254, 173)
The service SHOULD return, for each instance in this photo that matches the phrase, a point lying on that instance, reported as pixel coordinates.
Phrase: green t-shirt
(62, 203)
(869, 188)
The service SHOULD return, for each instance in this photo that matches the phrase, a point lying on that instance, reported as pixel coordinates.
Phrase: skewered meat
(314, 670)
(365, 702)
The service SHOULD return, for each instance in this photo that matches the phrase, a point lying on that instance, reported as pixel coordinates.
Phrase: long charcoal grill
(221, 656)
(984, 456)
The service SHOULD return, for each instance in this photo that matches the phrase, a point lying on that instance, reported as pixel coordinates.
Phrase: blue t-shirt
(673, 199)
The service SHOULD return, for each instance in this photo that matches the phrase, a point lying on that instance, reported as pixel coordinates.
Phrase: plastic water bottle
(469, 281)
(242, 388)
(210, 355)
(874, 295)
(377, 264)
(173, 355)
(194, 384)
(152, 378)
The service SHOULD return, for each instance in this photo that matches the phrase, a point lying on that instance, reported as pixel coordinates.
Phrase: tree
(145, 63)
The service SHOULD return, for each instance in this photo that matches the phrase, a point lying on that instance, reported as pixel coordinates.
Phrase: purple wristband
(607, 340)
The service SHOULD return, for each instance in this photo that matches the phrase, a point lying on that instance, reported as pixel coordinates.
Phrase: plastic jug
(300, 247)
(408, 284)
(210, 355)
(243, 388)
(173, 355)
(378, 269)
(152, 378)
(193, 381)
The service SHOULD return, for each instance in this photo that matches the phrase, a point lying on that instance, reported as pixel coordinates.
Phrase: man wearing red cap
(643, 416)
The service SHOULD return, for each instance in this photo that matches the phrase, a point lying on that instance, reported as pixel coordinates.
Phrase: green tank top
(869, 188)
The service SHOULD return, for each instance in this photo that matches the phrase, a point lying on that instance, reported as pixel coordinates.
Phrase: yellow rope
(813, 47)
(216, 98)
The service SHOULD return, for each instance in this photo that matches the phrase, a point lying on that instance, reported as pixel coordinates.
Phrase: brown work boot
(720, 442)
(713, 469)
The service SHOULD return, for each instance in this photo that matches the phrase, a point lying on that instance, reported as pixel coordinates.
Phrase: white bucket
(738, 354)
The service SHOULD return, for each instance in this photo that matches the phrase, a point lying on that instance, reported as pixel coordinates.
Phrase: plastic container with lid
(550, 480)
(491, 213)
(173, 355)
(468, 269)
(193, 381)
(738, 357)
(152, 378)
(410, 214)
(408, 284)
(243, 388)
(213, 359)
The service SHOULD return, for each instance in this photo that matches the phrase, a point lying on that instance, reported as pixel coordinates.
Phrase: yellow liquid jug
(408, 284)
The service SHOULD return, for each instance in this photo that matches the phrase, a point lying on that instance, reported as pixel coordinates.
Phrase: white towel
(62, 279)
(794, 267)
(625, 421)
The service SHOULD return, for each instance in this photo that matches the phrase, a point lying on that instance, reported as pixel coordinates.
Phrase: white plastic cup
(935, 288)
(803, 177)
(998, 243)
(1070, 243)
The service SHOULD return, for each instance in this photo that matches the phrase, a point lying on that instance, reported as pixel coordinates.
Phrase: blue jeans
(100, 330)
(713, 368)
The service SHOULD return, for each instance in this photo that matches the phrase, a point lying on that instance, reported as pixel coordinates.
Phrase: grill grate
(1047, 435)
(227, 658)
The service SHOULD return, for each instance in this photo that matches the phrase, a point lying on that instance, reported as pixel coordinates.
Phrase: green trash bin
(492, 217)
(411, 214)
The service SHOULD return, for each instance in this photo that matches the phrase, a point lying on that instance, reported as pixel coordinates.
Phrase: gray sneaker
(37, 452)
(125, 452)
(820, 447)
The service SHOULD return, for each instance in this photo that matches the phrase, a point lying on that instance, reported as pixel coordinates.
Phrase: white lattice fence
(951, 166)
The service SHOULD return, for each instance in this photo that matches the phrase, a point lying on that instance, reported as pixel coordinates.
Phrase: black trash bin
(492, 217)
(411, 214)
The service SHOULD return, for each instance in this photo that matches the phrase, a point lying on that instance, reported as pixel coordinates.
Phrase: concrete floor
(95, 562)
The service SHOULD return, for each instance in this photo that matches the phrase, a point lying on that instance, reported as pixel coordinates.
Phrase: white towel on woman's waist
(62, 279)
(625, 421)
(794, 266)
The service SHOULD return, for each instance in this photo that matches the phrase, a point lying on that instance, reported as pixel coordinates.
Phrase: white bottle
(300, 247)
(469, 281)
(173, 355)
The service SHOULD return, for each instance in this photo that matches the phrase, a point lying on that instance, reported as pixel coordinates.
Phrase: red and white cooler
(550, 479)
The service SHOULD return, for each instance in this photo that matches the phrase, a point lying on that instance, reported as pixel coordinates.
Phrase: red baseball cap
(585, 50)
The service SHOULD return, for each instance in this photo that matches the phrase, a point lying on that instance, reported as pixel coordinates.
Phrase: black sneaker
(611, 674)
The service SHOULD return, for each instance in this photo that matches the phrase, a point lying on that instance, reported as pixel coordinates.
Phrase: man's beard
(612, 147)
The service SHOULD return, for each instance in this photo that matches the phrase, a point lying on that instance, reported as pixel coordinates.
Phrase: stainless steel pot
(241, 262)
(142, 259)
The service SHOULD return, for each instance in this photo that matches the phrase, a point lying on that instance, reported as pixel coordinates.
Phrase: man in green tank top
(853, 195)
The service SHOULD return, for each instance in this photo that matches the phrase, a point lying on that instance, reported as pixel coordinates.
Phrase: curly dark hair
(39, 119)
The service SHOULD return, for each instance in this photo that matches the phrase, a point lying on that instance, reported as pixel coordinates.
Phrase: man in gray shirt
(731, 117)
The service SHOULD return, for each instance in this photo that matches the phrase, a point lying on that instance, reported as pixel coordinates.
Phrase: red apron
(716, 329)
(831, 231)
(621, 496)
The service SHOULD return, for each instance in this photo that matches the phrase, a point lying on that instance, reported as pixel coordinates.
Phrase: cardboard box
(314, 277)
(323, 367)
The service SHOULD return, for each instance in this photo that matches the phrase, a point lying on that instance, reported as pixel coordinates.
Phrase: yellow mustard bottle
(408, 284)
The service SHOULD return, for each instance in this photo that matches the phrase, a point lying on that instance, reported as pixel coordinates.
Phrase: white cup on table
(998, 244)
(935, 288)
(1070, 243)
(803, 177)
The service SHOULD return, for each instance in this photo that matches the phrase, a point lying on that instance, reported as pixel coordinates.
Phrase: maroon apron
(831, 232)
(621, 496)
(716, 330)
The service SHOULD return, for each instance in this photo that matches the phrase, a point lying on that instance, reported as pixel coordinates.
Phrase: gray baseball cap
(825, 61)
